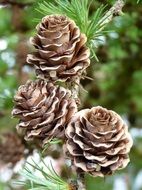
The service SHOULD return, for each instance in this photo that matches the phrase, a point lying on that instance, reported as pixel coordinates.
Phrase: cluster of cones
(96, 140)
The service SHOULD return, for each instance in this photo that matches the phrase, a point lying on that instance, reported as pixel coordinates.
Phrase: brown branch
(13, 3)
(115, 10)
(73, 185)
(79, 184)
(81, 181)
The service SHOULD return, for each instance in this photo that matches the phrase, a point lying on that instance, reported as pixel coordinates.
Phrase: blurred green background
(117, 83)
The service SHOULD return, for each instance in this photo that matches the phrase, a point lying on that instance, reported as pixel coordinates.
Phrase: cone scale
(98, 141)
(61, 51)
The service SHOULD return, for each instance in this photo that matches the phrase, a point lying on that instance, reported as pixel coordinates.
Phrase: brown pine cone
(61, 52)
(43, 109)
(11, 149)
(98, 141)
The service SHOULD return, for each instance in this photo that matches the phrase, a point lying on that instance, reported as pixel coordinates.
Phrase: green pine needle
(48, 179)
(76, 10)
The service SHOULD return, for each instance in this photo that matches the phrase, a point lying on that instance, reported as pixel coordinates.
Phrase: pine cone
(98, 141)
(11, 149)
(43, 109)
(61, 51)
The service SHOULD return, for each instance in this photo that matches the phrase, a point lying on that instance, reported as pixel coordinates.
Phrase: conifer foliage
(96, 140)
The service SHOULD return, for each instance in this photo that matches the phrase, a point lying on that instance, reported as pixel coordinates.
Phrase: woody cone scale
(61, 53)
(43, 109)
(98, 141)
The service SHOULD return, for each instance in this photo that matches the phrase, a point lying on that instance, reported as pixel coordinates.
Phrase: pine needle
(48, 179)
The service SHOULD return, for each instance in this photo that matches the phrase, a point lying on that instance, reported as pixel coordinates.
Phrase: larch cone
(98, 141)
(61, 52)
(44, 109)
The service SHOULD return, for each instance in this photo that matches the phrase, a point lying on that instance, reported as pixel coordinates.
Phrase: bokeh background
(117, 83)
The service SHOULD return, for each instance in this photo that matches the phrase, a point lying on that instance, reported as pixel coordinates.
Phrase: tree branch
(81, 181)
(79, 184)
(13, 3)
(73, 185)
(115, 10)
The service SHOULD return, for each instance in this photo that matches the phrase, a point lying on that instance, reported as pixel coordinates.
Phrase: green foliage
(5, 25)
(6, 93)
(96, 24)
(2, 186)
(4, 68)
(49, 179)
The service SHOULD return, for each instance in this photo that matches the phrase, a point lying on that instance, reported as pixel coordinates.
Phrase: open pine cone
(61, 51)
(43, 109)
(98, 141)
(11, 149)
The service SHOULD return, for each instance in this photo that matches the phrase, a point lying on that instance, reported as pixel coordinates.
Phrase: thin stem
(74, 87)
(81, 182)
(115, 10)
